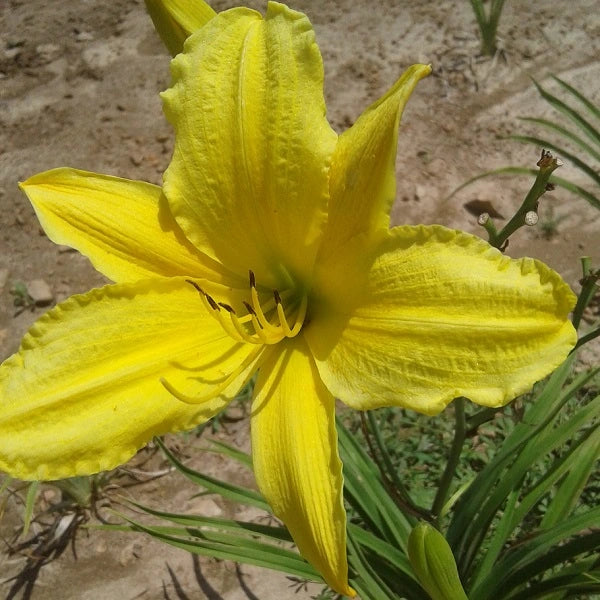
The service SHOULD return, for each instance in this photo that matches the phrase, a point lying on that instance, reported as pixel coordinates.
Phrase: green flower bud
(433, 563)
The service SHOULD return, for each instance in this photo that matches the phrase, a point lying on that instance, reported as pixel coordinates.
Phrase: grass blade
(582, 464)
(587, 128)
(565, 133)
(32, 491)
(587, 103)
(582, 166)
(227, 490)
(237, 548)
(537, 555)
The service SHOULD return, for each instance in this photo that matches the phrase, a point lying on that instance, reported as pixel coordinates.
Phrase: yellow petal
(294, 451)
(433, 314)
(175, 20)
(363, 170)
(249, 178)
(84, 392)
(124, 227)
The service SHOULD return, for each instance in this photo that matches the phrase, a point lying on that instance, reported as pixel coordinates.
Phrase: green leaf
(234, 547)
(543, 143)
(462, 530)
(585, 126)
(227, 490)
(534, 437)
(242, 458)
(274, 534)
(565, 133)
(538, 554)
(587, 103)
(549, 438)
(32, 491)
(581, 466)
(367, 494)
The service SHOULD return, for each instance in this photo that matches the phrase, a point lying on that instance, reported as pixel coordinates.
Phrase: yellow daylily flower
(267, 249)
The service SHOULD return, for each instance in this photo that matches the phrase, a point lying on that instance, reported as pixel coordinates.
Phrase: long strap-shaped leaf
(484, 483)
(238, 548)
(585, 101)
(565, 133)
(271, 533)
(546, 441)
(517, 508)
(227, 490)
(543, 143)
(535, 556)
(582, 466)
(586, 127)
(476, 509)
(367, 494)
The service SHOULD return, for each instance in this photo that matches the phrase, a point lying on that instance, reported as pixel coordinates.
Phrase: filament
(219, 388)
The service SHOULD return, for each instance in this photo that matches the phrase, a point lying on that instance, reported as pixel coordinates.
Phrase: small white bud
(531, 218)
(483, 218)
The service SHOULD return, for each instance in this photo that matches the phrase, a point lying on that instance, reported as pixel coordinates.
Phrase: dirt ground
(79, 84)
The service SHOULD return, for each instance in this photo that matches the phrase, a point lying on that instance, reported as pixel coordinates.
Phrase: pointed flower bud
(433, 563)
(175, 20)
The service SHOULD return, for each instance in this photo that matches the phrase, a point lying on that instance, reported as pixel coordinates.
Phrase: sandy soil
(78, 87)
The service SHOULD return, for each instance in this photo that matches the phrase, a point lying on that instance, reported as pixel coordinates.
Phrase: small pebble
(40, 292)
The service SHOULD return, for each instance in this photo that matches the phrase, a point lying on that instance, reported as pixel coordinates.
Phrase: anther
(195, 285)
(212, 303)
(277, 297)
(252, 278)
(228, 308)
(250, 309)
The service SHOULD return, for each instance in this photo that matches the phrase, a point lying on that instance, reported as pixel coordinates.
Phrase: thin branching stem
(397, 494)
(589, 287)
(547, 164)
(453, 458)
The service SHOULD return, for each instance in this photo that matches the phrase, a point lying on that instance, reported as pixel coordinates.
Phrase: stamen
(220, 388)
(235, 321)
(258, 311)
(300, 316)
(265, 332)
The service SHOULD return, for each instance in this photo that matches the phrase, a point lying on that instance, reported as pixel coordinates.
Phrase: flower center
(263, 323)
